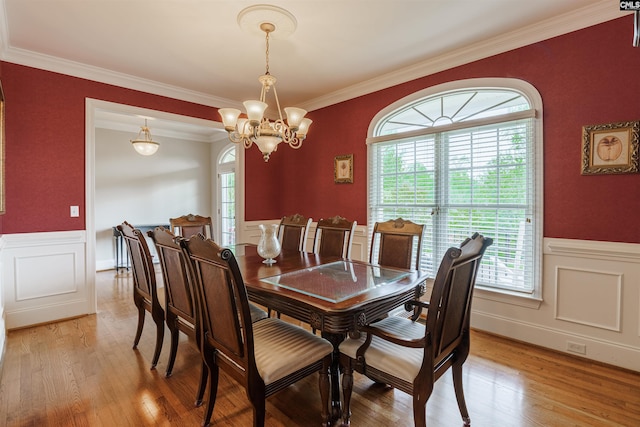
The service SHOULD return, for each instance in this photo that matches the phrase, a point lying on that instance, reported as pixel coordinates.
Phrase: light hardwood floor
(83, 372)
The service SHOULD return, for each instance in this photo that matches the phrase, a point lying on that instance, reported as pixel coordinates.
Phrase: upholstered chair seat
(282, 348)
(399, 361)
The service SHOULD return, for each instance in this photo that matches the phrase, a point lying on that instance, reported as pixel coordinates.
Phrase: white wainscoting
(3, 327)
(43, 277)
(590, 301)
(590, 292)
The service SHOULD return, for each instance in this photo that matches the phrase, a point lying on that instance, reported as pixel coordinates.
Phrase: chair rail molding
(615, 251)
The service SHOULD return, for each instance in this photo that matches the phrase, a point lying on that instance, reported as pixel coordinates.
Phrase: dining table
(333, 295)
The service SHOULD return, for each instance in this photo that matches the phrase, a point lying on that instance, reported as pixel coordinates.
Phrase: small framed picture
(343, 169)
(610, 148)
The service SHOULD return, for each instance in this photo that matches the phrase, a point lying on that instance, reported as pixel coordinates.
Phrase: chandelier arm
(255, 130)
(287, 135)
(263, 93)
(236, 138)
(275, 93)
(295, 142)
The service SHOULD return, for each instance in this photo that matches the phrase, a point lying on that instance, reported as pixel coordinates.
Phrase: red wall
(586, 77)
(45, 143)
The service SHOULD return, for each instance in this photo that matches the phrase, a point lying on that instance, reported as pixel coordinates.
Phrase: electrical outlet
(75, 211)
(576, 347)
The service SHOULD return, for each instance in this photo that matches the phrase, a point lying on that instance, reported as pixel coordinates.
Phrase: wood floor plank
(84, 372)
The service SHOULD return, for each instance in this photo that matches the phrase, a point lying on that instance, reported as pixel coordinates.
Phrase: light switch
(75, 211)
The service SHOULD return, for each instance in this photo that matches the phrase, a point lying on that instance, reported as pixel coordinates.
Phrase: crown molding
(76, 69)
(562, 24)
(559, 25)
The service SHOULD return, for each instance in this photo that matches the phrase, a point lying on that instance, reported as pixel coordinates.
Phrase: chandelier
(257, 128)
(144, 144)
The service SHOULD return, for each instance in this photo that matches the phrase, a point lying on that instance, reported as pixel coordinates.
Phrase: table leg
(334, 373)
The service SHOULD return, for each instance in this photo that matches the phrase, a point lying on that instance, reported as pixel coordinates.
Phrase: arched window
(465, 157)
(227, 195)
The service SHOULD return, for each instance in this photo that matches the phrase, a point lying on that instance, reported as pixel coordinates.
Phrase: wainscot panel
(43, 277)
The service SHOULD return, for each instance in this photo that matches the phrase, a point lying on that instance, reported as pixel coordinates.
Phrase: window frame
(534, 298)
(222, 168)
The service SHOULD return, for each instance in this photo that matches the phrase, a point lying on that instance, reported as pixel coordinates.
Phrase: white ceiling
(195, 50)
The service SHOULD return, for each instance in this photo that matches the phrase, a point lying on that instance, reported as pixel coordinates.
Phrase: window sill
(507, 297)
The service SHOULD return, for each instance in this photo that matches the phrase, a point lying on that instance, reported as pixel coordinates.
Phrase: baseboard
(3, 351)
(40, 314)
(600, 350)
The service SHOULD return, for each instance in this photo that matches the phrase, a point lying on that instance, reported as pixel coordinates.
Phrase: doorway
(96, 111)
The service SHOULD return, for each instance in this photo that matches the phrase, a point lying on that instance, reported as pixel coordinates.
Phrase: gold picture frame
(610, 148)
(343, 169)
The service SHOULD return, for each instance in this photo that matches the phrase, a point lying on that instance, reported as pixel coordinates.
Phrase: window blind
(457, 182)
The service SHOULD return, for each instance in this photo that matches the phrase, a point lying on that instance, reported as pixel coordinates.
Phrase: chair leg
(259, 410)
(213, 391)
(456, 370)
(421, 395)
(323, 383)
(204, 374)
(141, 314)
(159, 339)
(419, 411)
(347, 389)
(173, 349)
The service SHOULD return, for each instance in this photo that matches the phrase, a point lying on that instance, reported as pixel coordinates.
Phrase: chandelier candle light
(257, 128)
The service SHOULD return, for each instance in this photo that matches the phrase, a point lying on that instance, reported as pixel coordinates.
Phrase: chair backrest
(144, 277)
(450, 304)
(174, 264)
(293, 231)
(397, 243)
(189, 225)
(221, 293)
(334, 237)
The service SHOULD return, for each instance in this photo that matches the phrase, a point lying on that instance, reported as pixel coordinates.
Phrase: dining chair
(179, 300)
(412, 356)
(396, 243)
(179, 303)
(334, 237)
(293, 231)
(265, 356)
(145, 290)
(188, 225)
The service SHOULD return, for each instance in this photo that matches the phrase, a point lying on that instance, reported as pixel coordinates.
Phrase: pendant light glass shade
(144, 143)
